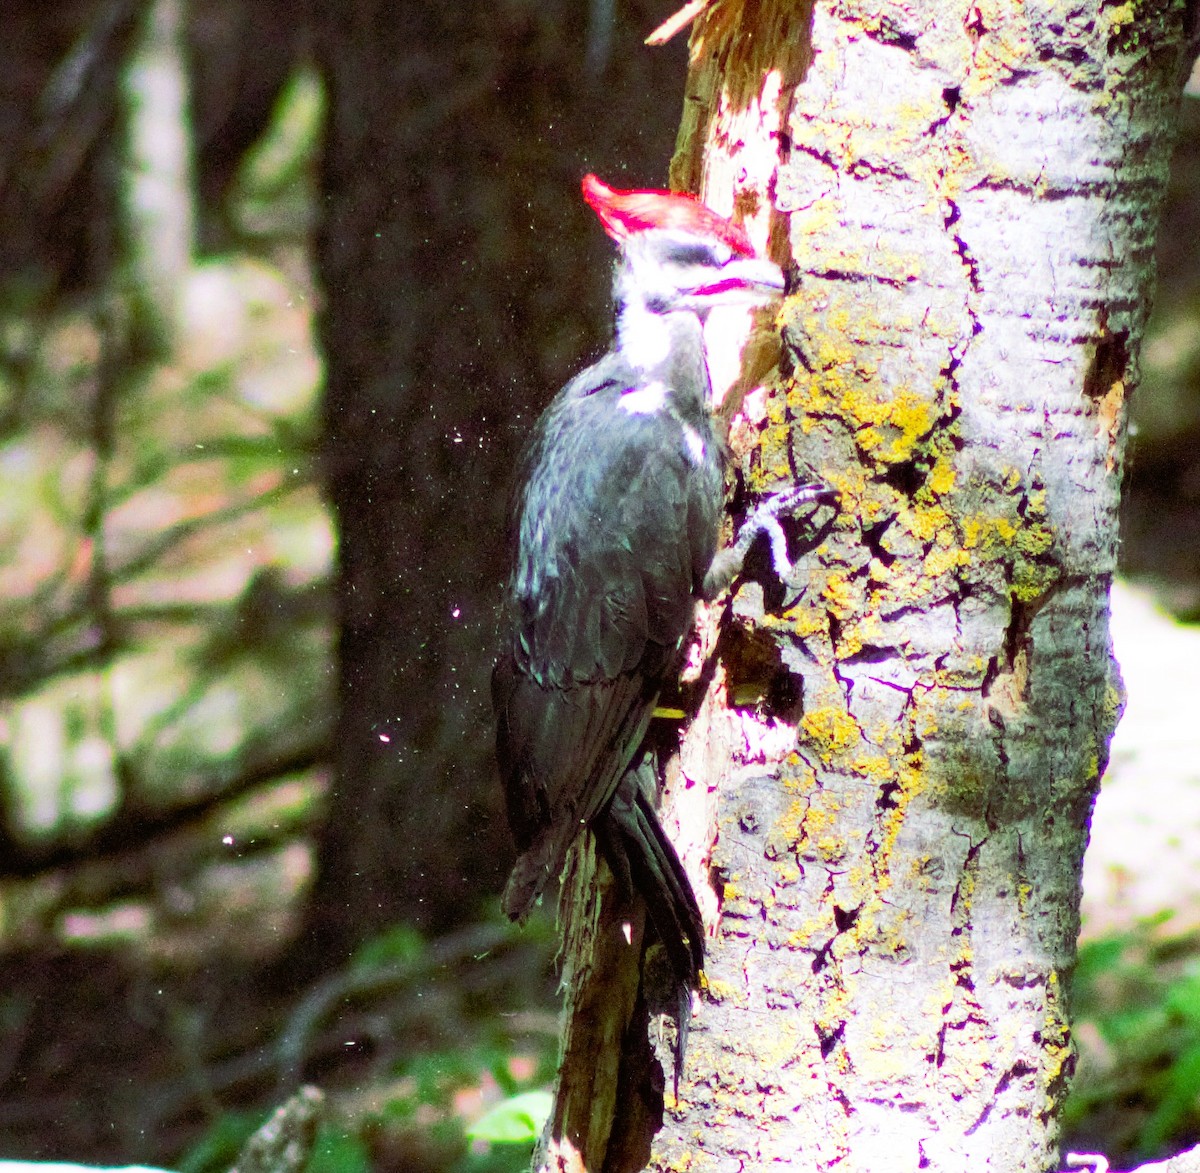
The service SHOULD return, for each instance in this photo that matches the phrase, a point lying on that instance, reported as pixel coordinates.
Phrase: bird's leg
(763, 520)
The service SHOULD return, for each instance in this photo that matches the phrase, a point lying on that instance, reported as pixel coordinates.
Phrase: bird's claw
(765, 520)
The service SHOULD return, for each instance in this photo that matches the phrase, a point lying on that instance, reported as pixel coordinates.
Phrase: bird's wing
(601, 595)
(561, 753)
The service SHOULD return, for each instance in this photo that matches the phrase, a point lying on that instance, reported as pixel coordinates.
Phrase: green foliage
(1137, 1021)
(427, 1108)
(434, 1084)
(517, 1120)
(272, 194)
(339, 1150)
(499, 1159)
(399, 945)
(218, 1148)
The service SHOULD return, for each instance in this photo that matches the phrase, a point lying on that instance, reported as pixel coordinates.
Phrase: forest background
(218, 874)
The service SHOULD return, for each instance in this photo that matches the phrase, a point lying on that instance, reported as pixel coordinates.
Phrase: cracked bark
(894, 822)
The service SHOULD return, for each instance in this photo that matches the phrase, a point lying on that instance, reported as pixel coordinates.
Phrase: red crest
(625, 212)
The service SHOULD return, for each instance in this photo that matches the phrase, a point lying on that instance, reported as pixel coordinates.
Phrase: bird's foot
(765, 520)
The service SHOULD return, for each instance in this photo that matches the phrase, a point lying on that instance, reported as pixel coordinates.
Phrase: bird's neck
(667, 347)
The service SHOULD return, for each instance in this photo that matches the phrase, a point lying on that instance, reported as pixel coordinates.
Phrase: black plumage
(615, 528)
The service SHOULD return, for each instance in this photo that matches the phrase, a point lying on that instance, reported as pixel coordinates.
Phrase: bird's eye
(699, 252)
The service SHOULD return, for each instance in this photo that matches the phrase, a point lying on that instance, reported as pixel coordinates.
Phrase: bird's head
(678, 254)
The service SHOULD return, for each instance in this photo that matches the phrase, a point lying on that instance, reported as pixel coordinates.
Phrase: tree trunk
(896, 768)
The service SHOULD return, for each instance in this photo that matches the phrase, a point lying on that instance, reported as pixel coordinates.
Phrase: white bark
(969, 193)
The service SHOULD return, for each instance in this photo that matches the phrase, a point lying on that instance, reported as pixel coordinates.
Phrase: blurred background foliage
(248, 832)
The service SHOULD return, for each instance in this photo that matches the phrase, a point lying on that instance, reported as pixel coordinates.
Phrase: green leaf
(399, 945)
(338, 1152)
(1183, 999)
(1098, 957)
(1180, 1093)
(218, 1148)
(518, 1120)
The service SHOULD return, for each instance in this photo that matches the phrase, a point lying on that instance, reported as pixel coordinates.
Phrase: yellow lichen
(832, 730)
(1032, 580)
(942, 477)
(1056, 1039)
(1119, 17)
(807, 622)
(1035, 539)
(1005, 530)
(841, 596)
(925, 521)
(872, 764)
(896, 427)
(719, 990)
(941, 561)
(1024, 892)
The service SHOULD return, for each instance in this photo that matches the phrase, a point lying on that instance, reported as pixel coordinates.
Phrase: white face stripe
(695, 443)
(645, 400)
(643, 337)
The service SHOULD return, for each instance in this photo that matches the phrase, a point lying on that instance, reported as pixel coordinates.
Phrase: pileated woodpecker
(614, 535)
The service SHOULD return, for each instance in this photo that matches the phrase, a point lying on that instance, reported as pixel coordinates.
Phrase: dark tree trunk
(463, 283)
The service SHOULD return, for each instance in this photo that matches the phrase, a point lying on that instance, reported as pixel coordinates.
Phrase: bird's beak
(744, 281)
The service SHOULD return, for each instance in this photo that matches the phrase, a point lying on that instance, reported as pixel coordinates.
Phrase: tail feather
(644, 861)
(534, 870)
(658, 877)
